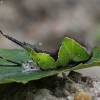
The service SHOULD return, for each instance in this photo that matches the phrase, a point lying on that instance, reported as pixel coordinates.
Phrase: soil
(73, 86)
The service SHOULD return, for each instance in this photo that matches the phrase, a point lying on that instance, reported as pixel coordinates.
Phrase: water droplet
(38, 59)
(43, 62)
(78, 55)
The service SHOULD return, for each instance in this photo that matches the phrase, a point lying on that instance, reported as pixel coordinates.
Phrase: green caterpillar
(70, 50)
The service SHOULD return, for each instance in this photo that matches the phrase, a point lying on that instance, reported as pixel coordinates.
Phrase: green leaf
(10, 74)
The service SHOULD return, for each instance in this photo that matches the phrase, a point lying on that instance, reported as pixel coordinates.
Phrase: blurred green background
(47, 21)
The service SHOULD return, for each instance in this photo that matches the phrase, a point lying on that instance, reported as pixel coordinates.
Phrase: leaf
(10, 74)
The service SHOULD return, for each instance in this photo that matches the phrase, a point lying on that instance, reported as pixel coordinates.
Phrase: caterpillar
(70, 50)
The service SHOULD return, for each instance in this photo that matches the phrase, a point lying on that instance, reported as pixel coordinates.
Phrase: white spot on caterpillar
(38, 59)
(43, 62)
(78, 55)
